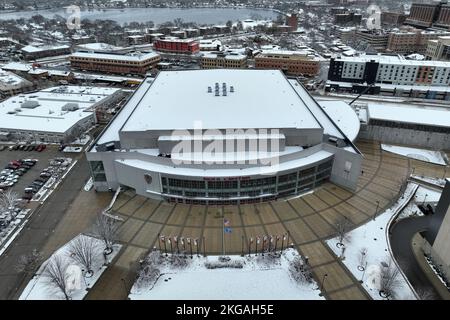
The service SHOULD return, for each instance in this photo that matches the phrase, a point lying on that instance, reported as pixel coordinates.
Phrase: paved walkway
(310, 220)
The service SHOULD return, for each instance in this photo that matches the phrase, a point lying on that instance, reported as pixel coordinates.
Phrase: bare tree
(362, 259)
(8, 199)
(300, 270)
(56, 275)
(149, 270)
(106, 228)
(28, 263)
(342, 226)
(85, 252)
(389, 278)
(426, 294)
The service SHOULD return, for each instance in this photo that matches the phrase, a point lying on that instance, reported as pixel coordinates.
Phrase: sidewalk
(416, 244)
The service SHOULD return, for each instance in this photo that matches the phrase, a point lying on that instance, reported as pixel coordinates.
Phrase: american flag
(226, 222)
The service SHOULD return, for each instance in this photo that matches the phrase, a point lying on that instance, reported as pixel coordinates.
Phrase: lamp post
(376, 210)
(425, 198)
(124, 286)
(321, 285)
(364, 271)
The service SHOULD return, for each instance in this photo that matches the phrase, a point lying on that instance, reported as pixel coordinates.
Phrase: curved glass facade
(234, 190)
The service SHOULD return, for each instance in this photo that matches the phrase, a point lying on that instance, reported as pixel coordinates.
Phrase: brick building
(293, 63)
(175, 45)
(115, 63)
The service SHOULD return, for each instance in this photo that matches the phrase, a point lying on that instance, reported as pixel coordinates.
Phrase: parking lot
(43, 157)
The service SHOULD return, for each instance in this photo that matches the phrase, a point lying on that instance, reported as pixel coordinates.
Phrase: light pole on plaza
(321, 285)
(376, 210)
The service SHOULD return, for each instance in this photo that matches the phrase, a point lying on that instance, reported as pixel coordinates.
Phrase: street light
(124, 286)
(321, 285)
(376, 210)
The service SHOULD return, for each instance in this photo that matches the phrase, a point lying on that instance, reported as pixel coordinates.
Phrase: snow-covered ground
(39, 289)
(436, 181)
(89, 184)
(81, 141)
(372, 236)
(255, 281)
(73, 149)
(418, 154)
(426, 195)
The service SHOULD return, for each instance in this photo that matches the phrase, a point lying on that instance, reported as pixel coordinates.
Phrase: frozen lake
(157, 15)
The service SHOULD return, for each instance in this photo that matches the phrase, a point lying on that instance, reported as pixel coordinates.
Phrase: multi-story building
(175, 45)
(412, 40)
(377, 71)
(377, 39)
(42, 51)
(223, 60)
(11, 84)
(115, 63)
(392, 18)
(294, 63)
(439, 49)
(217, 150)
(347, 18)
(422, 15)
(292, 21)
(438, 235)
(443, 20)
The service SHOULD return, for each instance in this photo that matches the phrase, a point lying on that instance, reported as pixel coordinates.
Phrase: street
(38, 229)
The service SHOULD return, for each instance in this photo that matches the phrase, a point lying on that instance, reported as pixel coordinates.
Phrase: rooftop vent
(30, 104)
(70, 106)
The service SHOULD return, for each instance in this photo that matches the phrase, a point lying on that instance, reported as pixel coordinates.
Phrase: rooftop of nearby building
(43, 110)
(33, 49)
(136, 57)
(393, 59)
(410, 114)
(9, 80)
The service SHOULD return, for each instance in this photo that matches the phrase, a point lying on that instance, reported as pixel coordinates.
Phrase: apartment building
(138, 63)
(295, 63)
(223, 60)
(412, 40)
(439, 49)
(176, 45)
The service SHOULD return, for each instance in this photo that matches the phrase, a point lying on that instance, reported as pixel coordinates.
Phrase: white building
(53, 114)
(11, 84)
(226, 136)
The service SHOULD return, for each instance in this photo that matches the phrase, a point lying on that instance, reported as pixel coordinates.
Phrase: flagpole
(223, 236)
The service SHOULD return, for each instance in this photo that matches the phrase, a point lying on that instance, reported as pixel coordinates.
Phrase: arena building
(226, 137)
